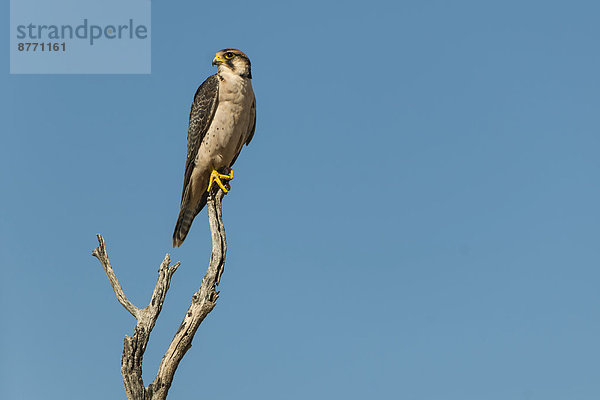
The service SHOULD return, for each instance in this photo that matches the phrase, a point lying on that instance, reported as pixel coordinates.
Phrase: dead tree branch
(203, 301)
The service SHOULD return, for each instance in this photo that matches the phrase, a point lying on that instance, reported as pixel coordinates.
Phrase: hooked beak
(218, 60)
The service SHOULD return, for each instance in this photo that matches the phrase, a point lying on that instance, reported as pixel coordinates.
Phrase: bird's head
(235, 61)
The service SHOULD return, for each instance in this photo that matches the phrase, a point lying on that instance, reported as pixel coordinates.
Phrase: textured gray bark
(203, 301)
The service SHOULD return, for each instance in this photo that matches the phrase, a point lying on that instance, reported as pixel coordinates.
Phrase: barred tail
(185, 219)
(183, 225)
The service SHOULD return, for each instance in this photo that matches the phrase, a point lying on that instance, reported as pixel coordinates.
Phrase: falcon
(222, 120)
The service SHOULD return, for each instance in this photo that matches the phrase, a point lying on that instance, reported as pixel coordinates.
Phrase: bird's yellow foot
(216, 177)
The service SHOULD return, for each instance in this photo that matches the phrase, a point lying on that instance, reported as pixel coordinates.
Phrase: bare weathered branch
(203, 301)
(100, 253)
(135, 346)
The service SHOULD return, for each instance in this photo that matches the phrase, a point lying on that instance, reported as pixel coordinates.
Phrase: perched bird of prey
(222, 120)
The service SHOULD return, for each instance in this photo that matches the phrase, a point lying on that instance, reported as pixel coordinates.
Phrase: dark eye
(229, 56)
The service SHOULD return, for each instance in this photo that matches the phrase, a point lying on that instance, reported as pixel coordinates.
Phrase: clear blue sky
(416, 218)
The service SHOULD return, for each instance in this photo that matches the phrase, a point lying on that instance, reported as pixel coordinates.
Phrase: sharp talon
(216, 177)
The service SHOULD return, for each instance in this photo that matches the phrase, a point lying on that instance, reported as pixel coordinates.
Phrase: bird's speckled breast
(230, 126)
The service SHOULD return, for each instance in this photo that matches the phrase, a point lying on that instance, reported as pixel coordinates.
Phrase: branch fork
(202, 303)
